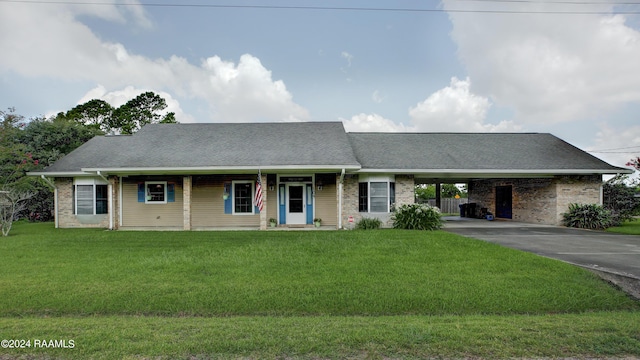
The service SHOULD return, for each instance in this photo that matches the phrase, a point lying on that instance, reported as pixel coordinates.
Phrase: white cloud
(373, 123)
(549, 68)
(247, 92)
(617, 145)
(347, 56)
(376, 97)
(454, 108)
(51, 42)
(451, 109)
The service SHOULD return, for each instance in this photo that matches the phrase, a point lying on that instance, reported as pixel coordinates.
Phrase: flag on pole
(258, 199)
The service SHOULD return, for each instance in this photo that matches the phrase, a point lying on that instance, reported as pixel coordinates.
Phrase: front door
(296, 207)
(504, 202)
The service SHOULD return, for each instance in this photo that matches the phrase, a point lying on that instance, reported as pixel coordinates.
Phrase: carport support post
(438, 195)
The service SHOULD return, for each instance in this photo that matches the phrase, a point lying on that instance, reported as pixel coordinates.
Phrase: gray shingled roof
(325, 145)
(472, 151)
(217, 145)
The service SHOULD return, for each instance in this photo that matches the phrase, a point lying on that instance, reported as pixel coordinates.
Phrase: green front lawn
(307, 293)
(629, 228)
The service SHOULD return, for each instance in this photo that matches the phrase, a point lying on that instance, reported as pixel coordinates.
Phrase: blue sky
(523, 67)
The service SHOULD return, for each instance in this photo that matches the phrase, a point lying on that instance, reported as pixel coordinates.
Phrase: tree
(12, 202)
(619, 198)
(15, 187)
(47, 140)
(635, 163)
(144, 109)
(426, 192)
(94, 113)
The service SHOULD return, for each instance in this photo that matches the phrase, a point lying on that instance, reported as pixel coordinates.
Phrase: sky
(566, 67)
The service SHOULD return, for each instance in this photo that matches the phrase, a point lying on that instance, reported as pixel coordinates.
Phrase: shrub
(587, 216)
(417, 217)
(620, 200)
(368, 224)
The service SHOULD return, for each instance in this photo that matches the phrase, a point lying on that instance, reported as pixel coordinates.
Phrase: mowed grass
(62, 272)
(299, 295)
(629, 228)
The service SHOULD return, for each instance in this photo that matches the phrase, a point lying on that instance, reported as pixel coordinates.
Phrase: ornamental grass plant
(417, 217)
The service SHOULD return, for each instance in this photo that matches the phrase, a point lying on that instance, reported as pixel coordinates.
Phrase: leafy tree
(15, 187)
(635, 163)
(620, 200)
(94, 113)
(12, 152)
(47, 140)
(144, 109)
(426, 192)
(50, 139)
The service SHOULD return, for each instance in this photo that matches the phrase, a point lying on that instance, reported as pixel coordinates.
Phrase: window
(243, 197)
(90, 198)
(363, 197)
(376, 196)
(156, 192)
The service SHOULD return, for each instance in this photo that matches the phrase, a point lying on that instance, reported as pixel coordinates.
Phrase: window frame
(147, 194)
(93, 183)
(233, 197)
(390, 193)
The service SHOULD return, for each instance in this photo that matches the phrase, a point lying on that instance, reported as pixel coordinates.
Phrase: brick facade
(540, 201)
(66, 216)
(405, 194)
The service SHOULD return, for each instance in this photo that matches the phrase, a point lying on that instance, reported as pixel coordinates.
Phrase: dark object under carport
(468, 210)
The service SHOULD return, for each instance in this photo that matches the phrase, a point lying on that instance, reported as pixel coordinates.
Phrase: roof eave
(59, 173)
(493, 173)
(196, 170)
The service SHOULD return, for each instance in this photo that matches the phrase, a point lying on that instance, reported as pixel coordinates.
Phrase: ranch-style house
(204, 176)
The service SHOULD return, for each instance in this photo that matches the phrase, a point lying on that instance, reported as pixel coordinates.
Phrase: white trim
(146, 188)
(493, 172)
(93, 183)
(56, 209)
(120, 201)
(233, 196)
(340, 189)
(215, 169)
(110, 205)
(305, 198)
(89, 181)
(376, 179)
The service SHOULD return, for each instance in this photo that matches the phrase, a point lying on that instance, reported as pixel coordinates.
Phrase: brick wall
(540, 201)
(66, 217)
(405, 194)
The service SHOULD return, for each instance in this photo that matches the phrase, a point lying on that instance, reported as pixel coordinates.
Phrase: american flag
(258, 200)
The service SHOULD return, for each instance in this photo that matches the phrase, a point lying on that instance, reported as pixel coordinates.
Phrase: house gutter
(340, 187)
(55, 199)
(109, 200)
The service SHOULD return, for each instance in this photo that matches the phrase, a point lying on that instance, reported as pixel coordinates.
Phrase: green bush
(587, 216)
(368, 224)
(620, 199)
(417, 217)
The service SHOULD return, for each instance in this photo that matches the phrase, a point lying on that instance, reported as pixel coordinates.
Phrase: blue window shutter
(141, 192)
(309, 204)
(282, 204)
(171, 192)
(228, 202)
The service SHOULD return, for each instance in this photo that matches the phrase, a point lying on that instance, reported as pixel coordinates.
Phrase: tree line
(31, 145)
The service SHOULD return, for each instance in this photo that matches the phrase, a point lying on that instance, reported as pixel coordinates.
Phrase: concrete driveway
(613, 253)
